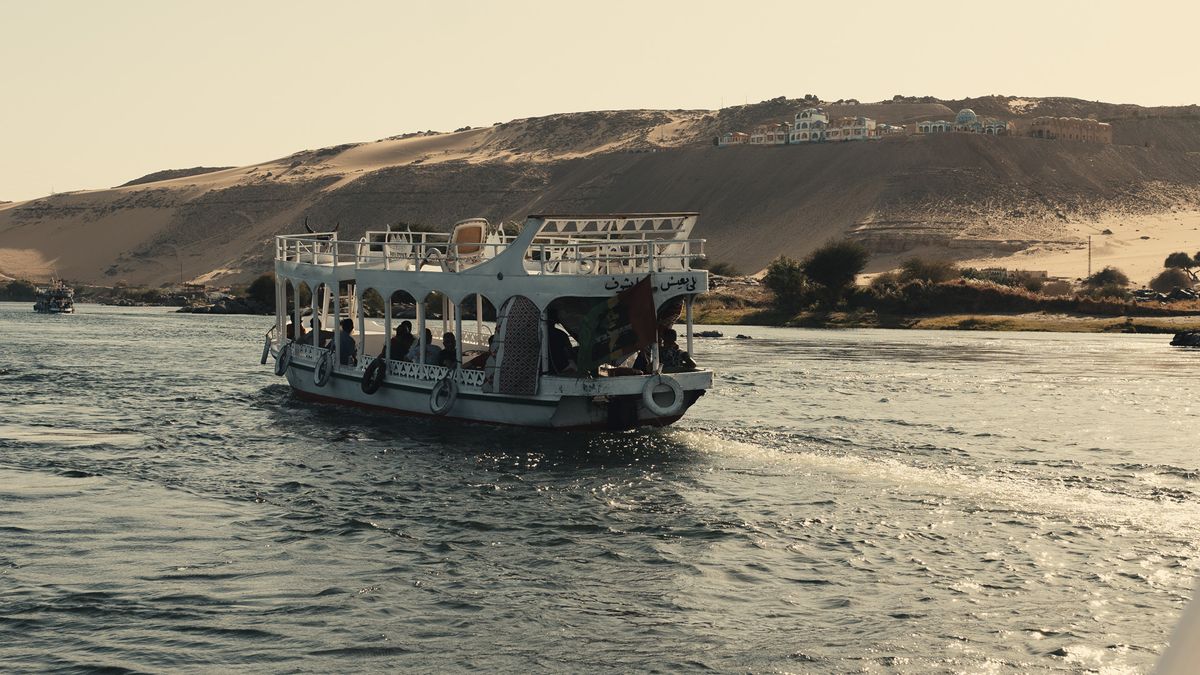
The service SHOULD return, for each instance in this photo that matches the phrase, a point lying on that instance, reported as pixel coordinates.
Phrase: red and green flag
(618, 326)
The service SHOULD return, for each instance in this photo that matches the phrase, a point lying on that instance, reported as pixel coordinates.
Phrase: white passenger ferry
(57, 298)
(502, 307)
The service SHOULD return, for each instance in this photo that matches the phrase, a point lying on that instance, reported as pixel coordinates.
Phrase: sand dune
(1137, 246)
(1011, 201)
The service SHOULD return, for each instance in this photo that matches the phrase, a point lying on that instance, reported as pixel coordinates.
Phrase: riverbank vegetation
(821, 291)
(931, 293)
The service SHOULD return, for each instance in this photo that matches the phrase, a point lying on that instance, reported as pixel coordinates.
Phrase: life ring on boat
(372, 378)
(283, 359)
(266, 350)
(656, 389)
(443, 395)
(324, 368)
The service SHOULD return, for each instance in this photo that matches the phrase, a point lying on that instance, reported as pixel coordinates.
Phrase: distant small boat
(57, 298)
(1187, 338)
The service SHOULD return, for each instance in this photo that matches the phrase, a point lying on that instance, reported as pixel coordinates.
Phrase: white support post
(325, 303)
(281, 309)
(387, 328)
(687, 303)
(478, 317)
(295, 312)
(362, 324)
(458, 334)
(421, 331)
(337, 314)
(314, 318)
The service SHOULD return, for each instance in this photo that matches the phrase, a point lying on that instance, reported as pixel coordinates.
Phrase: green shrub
(1179, 260)
(1029, 282)
(724, 269)
(836, 264)
(1170, 279)
(1108, 291)
(18, 290)
(262, 290)
(1107, 278)
(785, 278)
(922, 269)
(888, 281)
(834, 267)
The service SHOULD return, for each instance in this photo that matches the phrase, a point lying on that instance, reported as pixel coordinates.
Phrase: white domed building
(968, 121)
(809, 126)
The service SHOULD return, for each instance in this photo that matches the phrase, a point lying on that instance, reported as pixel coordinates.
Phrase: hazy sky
(96, 93)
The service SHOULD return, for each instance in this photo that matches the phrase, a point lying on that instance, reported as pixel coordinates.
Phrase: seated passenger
(670, 355)
(449, 356)
(345, 343)
(432, 351)
(402, 341)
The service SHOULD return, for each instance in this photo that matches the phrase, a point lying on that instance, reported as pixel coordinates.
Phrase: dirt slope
(963, 195)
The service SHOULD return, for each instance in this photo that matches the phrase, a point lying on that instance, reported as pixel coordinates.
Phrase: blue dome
(966, 116)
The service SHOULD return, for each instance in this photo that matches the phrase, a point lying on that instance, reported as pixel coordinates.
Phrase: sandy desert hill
(962, 196)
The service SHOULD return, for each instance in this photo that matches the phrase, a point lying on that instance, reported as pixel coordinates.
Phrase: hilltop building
(1070, 129)
(966, 122)
(851, 129)
(809, 126)
(812, 125)
(998, 128)
(934, 127)
(770, 134)
(733, 138)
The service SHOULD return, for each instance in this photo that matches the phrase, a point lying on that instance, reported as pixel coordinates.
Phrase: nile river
(876, 501)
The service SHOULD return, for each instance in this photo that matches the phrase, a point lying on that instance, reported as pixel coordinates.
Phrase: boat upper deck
(546, 245)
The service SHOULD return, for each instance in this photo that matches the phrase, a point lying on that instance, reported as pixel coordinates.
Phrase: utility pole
(1089, 255)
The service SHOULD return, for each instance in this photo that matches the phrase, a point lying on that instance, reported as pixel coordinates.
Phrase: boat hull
(565, 403)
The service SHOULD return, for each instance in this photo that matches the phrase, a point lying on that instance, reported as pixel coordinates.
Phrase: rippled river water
(878, 501)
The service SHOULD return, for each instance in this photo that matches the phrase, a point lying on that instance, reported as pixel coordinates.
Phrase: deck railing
(546, 255)
(609, 256)
(424, 372)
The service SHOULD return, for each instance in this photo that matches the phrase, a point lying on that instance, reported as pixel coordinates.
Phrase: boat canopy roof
(553, 255)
